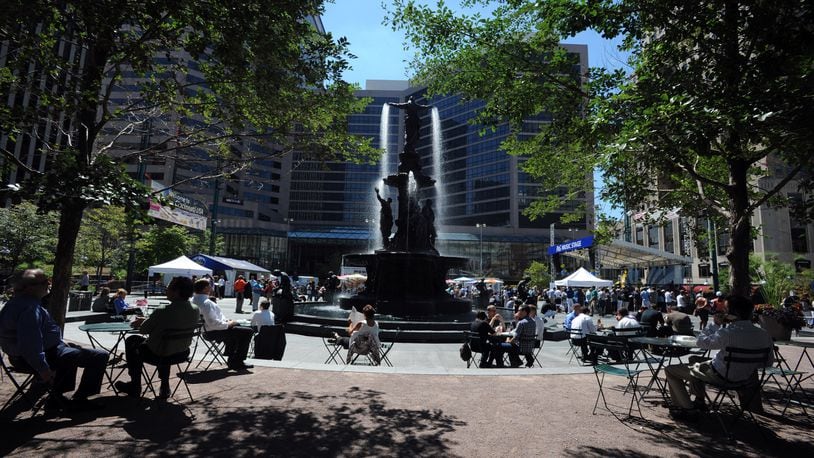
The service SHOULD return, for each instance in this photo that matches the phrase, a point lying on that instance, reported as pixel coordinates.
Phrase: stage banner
(572, 245)
(177, 208)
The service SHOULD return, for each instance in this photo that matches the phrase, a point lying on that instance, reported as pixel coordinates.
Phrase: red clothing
(239, 285)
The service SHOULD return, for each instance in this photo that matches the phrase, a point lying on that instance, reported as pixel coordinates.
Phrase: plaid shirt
(525, 333)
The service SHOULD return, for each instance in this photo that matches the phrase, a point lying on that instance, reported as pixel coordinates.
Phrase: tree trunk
(69, 221)
(740, 230)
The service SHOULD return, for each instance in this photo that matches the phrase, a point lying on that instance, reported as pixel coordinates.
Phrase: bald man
(33, 341)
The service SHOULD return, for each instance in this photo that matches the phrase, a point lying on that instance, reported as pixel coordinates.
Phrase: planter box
(775, 329)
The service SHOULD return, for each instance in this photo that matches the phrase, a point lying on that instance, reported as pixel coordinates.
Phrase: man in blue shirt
(33, 341)
(566, 324)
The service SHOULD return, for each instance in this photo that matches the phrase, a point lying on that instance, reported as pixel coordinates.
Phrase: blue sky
(380, 50)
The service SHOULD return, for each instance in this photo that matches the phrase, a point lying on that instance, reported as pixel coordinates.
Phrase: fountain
(406, 277)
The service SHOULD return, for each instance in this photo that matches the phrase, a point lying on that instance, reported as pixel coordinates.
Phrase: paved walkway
(428, 405)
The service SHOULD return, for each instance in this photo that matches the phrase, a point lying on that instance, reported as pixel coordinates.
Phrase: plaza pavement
(429, 404)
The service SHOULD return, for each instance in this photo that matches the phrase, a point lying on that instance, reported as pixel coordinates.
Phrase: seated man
(623, 321)
(491, 354)
(581, 326)
(679, 323)
(652, 320)
(523, 341)
(495, 319)
(262, 317)
(569, 318)
(236, 338)
(741, 334)
(33, 342)
(180, 314)
(539, 322)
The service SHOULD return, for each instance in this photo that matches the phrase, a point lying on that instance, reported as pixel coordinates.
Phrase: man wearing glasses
(33, 341)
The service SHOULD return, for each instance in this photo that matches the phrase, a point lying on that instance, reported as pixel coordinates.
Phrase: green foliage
(710, 88)
(207, 80)
(539, 274)
(162, 243)
(27, 237)
(102, 238)
(776, 279)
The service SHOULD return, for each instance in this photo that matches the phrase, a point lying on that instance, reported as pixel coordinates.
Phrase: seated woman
(102, 301)
(122, 307)
(262, 317)
(364, 337)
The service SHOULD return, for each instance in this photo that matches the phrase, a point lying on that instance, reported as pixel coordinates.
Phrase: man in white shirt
(237, 338)
(538, 320)
(221, 285)
(581, 326)
(262, 317)
(625, 320)
(740, 334)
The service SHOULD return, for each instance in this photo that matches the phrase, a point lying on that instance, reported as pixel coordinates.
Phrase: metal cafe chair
(26, 378)
(746, 389)
(176, 360)
(214, 348)
(615, 345)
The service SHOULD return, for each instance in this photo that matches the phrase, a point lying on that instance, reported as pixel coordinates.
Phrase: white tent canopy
(583, 279)
(181, 265)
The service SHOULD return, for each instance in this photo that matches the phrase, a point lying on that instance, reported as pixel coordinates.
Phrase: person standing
(240, 286)
(33, 340)
(221, 284)
(257, 292)
(84, 282)
(236, 338)
(179, 314)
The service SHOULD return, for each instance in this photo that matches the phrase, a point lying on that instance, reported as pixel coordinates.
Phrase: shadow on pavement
(296, 423)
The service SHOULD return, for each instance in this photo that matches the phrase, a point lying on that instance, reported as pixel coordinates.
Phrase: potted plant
(779, 321)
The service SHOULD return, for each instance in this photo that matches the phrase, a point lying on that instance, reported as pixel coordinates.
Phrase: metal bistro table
(655, 362)
(122, 328)
(796, 378)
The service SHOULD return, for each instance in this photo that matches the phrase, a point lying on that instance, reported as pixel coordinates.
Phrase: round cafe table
(122, 328)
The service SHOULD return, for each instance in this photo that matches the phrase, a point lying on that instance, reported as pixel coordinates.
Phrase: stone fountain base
(406, 284)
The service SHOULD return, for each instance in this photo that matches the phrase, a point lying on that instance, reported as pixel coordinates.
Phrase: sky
(381, 56)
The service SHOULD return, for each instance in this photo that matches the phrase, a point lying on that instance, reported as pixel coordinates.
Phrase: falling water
(437, 172)
(384, 170)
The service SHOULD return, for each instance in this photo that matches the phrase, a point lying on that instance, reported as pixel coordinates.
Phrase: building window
(703, 270)
(639, 234)
(668, 237)
(653, 236)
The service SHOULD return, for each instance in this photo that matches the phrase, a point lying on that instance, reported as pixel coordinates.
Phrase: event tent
(181, 265)
(583, 279)
(231, 268)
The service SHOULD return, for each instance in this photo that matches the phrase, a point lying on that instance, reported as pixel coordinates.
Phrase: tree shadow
(296, 423)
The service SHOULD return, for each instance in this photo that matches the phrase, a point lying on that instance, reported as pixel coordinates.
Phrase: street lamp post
(481, 226)
(288, 245)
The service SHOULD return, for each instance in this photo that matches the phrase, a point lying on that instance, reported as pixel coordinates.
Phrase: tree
(713, 116)
(539, 274)
(163, 243)
(101, 238)
(27, 237)
(205, 77)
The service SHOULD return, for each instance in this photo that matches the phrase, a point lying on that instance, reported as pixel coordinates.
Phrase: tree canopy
(711, 115)
(203, 80)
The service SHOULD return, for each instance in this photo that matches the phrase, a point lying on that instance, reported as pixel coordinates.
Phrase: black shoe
(241, 366)
(163, 392)
(681, 414)
(517, 363)
(529, 363)
(485, 365)
(56, 403)
(128, 388)
(85, 405)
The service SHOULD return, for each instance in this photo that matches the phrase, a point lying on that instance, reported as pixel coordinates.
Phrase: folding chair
(477, 346)
(20, 387)
(792, 377)
(538, 347)
(214, 347)
(333, 345)
(747, 389)
(388, 347)
(573, 349)
(622, 369)
(176, 360)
